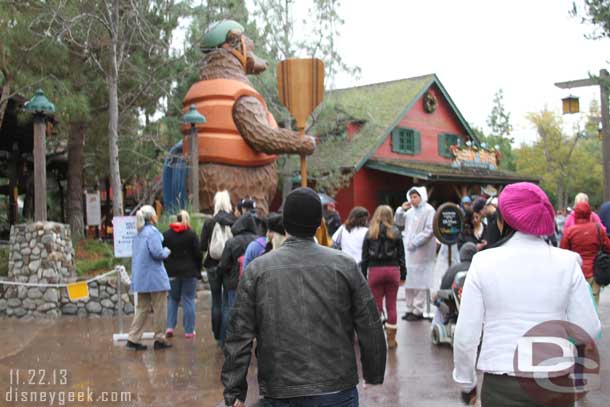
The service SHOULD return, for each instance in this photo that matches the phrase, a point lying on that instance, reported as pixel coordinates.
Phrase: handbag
(337, 244)
(601, 264)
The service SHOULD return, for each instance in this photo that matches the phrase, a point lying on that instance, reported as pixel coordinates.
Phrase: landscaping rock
(34, 292)
(29, 304)
(107, 304)
(53, 313)
(46, 307)
(94, 307)
(14, 302)
(34, 265)
(69, 309)
(51, 295)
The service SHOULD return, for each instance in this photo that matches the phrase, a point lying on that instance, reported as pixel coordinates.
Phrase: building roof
(439, 172)
(379, 106)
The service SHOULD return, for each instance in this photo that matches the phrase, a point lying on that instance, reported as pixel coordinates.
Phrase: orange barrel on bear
(219, 139)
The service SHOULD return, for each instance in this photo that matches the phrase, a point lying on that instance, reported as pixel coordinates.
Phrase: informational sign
(78, 291)
(448, 221)
(94, 209)
(468, 157)
(124, 231)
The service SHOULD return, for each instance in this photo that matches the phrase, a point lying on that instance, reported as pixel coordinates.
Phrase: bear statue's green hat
(217, 34)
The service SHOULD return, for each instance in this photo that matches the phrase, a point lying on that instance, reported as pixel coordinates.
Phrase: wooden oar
(301, 89)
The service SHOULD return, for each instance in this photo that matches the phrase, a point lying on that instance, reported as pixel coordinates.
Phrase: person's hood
(582, 212)
(467, 252)
(422, 192)
(262, 241)
(245, 224)
(604, 214)
(178, 227)
(224, 218)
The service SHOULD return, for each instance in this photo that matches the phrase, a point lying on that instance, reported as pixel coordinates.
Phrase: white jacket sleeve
(425, 235)
(468, 332)
(581, 307)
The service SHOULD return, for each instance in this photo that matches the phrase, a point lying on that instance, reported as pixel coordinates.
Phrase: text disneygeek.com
(27, 387)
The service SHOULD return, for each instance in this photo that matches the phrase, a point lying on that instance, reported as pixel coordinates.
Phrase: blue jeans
(182, 291)
(228, 300)
(346, 398)
(215, 282)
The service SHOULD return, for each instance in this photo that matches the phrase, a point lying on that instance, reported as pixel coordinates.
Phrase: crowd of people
(303, 284)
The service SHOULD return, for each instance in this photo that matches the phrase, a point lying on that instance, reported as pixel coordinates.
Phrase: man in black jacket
(303, 303)
(244, 232)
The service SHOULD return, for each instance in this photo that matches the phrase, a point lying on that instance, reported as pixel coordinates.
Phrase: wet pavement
(53, 358)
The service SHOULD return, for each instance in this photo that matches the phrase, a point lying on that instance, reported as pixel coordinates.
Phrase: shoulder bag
(601, 264)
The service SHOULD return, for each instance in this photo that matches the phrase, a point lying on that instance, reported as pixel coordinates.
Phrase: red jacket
(584, 239)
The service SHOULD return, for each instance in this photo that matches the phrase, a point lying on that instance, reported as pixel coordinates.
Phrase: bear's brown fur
(250, 117)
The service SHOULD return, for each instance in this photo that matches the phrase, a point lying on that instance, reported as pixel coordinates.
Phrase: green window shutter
(417, 142)
(396, 141)
(442, 145)
(405, 141)
(452, 142)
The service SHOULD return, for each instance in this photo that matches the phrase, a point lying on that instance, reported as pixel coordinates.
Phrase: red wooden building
(377, 141)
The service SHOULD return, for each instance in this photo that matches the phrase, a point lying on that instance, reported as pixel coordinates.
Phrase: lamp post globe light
(41, 107)
(193, 117)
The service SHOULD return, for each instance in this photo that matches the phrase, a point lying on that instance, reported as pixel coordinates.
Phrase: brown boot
(391, 334)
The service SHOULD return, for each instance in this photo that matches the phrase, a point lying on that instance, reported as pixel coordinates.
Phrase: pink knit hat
(526, 208)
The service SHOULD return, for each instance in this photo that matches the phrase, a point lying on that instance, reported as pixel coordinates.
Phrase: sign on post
(94, 209)
(124, 231)
(448, 221)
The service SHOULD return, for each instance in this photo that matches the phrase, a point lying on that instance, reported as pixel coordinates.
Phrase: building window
(406, 141)
(445, 141)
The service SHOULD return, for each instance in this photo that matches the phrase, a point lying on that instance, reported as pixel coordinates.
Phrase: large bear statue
(239, 142)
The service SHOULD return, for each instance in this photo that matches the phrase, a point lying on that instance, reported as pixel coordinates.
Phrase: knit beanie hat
(275, 223)
(526, 208)
(302, 212)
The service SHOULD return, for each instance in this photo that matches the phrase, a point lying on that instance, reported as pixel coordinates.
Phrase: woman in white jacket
(511, 288)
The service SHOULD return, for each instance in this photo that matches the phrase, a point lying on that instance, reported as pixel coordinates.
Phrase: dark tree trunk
(76, 145)
(4, 98)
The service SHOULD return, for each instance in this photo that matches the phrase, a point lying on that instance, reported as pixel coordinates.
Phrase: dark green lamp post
(193, 117)
(41, 107)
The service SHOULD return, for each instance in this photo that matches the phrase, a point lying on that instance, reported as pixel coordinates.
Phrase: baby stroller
(448, 307)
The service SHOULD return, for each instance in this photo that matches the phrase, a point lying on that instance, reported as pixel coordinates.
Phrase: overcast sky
(475, 47)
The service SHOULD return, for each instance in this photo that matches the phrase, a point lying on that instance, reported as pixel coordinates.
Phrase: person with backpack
(255, 248)
(214, 235)
(586, 238)
(184, 269)
(244, 232)
(383, 262)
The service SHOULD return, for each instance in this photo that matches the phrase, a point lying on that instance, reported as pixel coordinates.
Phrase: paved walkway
(81, 351)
